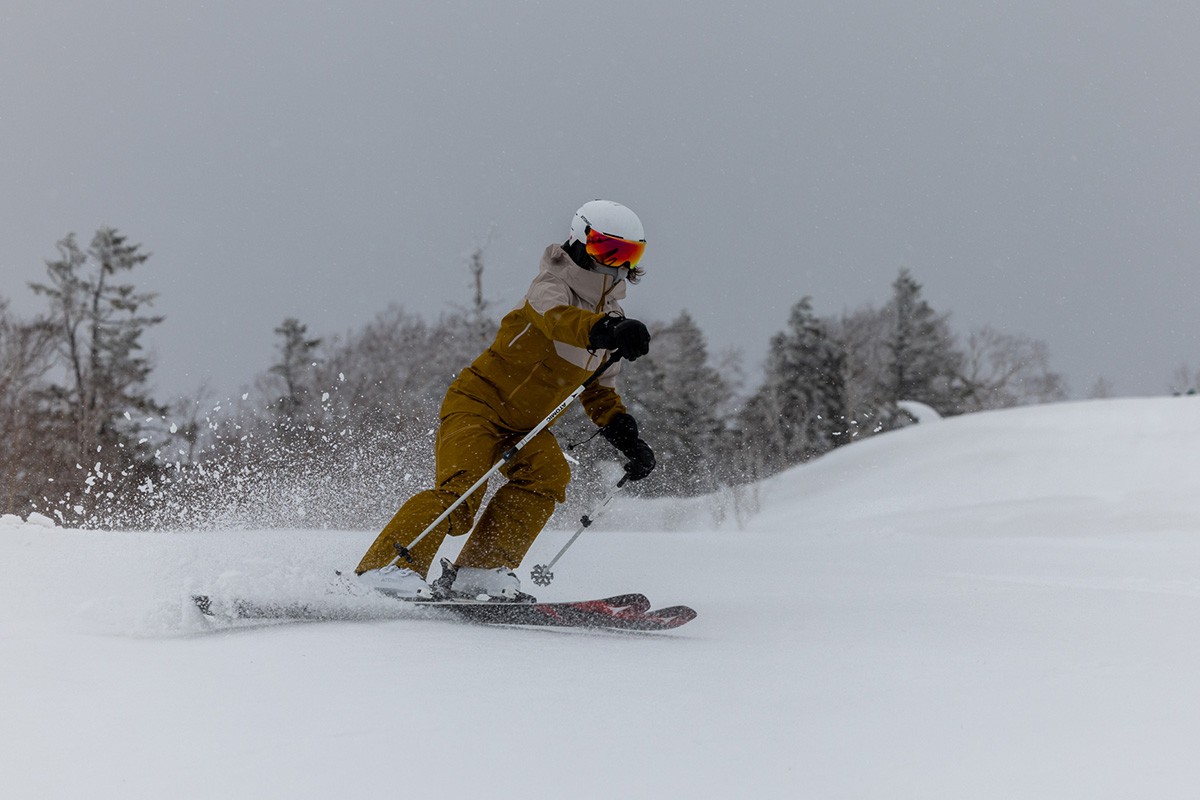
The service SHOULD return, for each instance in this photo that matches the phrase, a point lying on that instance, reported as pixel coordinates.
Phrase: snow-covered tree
(677, 396)
(922, 361)
(800, 411)
(862, 335)
(382, 376)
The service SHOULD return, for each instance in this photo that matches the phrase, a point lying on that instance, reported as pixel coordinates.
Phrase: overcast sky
(1035, 165)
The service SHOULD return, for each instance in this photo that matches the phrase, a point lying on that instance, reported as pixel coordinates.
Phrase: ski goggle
(613, 251)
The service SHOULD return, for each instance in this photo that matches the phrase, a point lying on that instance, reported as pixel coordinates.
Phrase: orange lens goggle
(613, 251)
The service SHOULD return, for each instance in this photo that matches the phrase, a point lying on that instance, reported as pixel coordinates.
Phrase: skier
(557, 335)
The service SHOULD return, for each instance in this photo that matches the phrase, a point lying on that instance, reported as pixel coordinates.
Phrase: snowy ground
(998, 606)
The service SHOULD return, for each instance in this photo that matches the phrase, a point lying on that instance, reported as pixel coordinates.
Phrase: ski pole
(541, 573)
(406, 552)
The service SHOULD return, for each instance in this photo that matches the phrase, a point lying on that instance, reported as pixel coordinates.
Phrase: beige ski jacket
(540, 354)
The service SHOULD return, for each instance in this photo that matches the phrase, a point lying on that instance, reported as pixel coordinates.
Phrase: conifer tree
(101, 395)
(295, 368)
(862, 335)
(97, 332)
(800, 411)
(677, 397)
(923, 363)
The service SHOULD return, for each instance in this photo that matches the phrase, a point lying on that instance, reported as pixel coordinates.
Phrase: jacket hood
(593, 287)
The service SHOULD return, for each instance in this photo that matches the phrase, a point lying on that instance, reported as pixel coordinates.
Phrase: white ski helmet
(610, 232)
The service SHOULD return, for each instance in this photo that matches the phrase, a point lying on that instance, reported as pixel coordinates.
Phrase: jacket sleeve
(563, 323)
(572, 326)
(548, 306)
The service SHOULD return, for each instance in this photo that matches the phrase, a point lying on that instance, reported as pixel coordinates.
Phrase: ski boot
(485, 585)
(398, 582)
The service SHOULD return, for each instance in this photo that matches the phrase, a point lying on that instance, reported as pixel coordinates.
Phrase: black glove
(622, 433)
(627, 336)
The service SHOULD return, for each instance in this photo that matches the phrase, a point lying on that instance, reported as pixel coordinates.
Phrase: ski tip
(663, 619)
(675, 615)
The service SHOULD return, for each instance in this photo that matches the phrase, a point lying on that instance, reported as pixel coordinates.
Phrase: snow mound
(1116, 465)
(919, 411)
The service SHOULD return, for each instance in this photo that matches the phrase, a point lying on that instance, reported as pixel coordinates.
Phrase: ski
(624, 612)
(631, 612)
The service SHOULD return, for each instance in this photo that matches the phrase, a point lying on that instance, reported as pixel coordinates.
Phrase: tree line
(338, 430)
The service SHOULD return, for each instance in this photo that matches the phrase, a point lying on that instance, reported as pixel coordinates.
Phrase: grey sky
(1034, 164)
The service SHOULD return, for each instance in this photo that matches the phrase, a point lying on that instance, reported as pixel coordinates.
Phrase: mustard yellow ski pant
(467, 446)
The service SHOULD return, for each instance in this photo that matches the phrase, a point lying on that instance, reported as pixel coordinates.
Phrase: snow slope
(994, 606)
